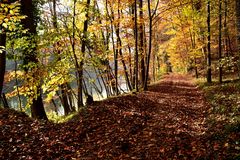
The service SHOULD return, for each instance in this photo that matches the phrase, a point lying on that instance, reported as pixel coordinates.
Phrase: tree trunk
(115, 59)
(150, 15)
(220, 42)
(141, 44)
(209, 63)
(4, 101)
(37, 108)
(112, 78)
(238, 30)
(27, 8)
(149, 45)
(225, 26)
(65, 103)
(64, 87)
(83, 47)
(136, 46)
(119, 48)
(2, 60)
(54, 17)
(133, 70)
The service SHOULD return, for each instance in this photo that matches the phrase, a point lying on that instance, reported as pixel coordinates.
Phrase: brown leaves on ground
(166, 122)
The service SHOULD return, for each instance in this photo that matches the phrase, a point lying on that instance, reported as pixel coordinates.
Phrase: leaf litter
(166, 122)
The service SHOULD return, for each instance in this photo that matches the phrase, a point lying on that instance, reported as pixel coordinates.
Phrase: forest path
(181, 106)
(178, 120)
(167, 121)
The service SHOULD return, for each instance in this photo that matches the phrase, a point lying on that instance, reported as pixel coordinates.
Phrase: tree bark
(150, 15)
(27, 8)
(149, 45)
(83, 47)
(119, 48)
(220, 42)
(65, 100)
(136, 45)
(238, 29)
(141, 44)
(209, 63)
(2, 60)
(54, 17)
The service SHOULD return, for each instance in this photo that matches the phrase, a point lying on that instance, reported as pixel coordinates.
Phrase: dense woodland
(68, 54)
(103, 45)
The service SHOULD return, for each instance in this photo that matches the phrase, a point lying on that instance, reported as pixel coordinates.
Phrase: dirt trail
(166, 122)
(177, 121)
(180, 105)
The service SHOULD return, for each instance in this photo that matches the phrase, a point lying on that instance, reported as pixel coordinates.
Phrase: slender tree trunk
(226, 50)
(17, 83)
(209, 63)
(4, 100)
(115, 57)
(136, 45)
(141, 44)
(27, 7)
(64, 87)
(193, 41)
(196, 69)
(220, 42)
(79, 71)
(238, 31)
(119, 48)
(77, 66)
(54, 17)
(238, 22)
(134, 33)
(2, 60)
(66, 106)
(149, 45)
(150, 15)
(105, 39)
(83, 47)
(113, 80)
(130, 65)
(55, 106)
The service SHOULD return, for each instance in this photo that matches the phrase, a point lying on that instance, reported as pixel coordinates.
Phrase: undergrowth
(52, 116)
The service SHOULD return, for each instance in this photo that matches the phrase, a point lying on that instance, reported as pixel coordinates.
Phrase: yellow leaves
(9, 15)
(95, 27)
(55, 77)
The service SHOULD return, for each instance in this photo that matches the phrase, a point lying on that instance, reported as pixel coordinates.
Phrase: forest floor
(170, 121)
